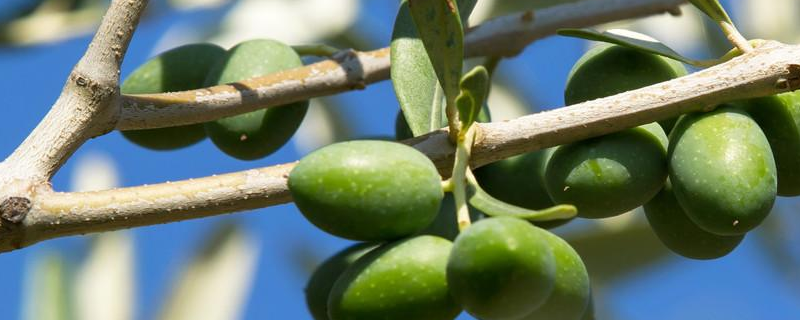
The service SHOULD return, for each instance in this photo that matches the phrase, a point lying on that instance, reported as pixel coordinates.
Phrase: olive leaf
(439, 26)
(474, 91)
(712, 9)
(634, 40)
(491, 206)
(413, 77)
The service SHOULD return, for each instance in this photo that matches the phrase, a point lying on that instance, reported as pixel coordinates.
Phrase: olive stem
(459, 180)
(447, 185)
(319, 50)
(735, 37)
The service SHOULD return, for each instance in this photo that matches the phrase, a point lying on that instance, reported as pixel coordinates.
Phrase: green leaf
(413, 77)
(439, 26)
(633, 40)
(474, 91)
(713, 9)
(496, 208)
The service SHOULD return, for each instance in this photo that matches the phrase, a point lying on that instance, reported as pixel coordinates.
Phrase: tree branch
(87, 106)
(504, 36)
(770, 69)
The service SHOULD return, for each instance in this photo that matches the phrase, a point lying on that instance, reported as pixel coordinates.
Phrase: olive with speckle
(722, 170)
(572, 291)
(367, 190)
(397, 281)
(678, 233)
(501, 268)
(778, 117)
(322, 280)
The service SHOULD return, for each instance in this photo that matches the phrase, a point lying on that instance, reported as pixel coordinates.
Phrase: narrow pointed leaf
(633, 40)
(439, 26)
(496, 208)
(713, 9)
(413, 77)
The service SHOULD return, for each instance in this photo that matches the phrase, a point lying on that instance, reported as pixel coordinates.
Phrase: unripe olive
(401, 280)
(321, 282)
(179, 69)
(607, 70)
(367, 190)
(571, 293)
(256, 134)
(611, 174)
(722, 170)
(678, 233)
(779, 119)
(501, 268)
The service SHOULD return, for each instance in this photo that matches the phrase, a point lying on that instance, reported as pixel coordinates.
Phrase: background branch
(770, 69)
(504, 36)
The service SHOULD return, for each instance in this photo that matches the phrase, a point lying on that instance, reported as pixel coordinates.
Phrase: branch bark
(770, 69)
(87, 106)
(504, 36)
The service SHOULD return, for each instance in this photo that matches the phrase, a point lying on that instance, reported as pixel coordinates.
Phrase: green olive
(572, 293)
(179, 69)
(676, 231)
(256, 134)
(321, 282)
(779, 119)
(401, 280)
(367, 190)
(607, 70)
(722, 170)
(501, 268)
(609, 175)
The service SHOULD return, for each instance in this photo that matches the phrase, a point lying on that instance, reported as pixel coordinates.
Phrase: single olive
(779, 119)
(256, 134)
(676, 231)
(609, 175)
(401, 280)
(179, 69)
(321, 282)
(571, 293)
(607, 70)
(501, 268)
(722, 170)
(367, 190)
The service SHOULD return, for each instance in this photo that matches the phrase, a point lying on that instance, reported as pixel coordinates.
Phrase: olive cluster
(248, 136)
(713, 178)
(390, 195)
